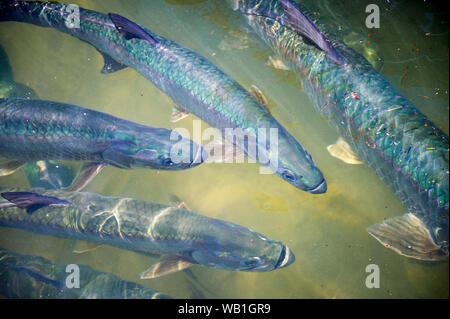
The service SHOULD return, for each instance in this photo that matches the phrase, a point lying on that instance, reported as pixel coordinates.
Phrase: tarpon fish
(33, 130)
(181, 236)
(34, 277)
(385, 130)
(195, 84)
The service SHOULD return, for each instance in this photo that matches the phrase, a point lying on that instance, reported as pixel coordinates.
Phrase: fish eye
(252, 261)
(167, 161)
(288, 175)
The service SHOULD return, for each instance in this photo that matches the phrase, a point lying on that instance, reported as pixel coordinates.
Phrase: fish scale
(147, 228)
(29, 135)
(407, 151)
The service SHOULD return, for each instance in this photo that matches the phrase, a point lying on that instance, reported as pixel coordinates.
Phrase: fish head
(296, 166)
(234, 247)
(155, 148)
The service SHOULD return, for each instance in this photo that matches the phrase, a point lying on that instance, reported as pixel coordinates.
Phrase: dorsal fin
(300, 23)
(297, 21)
(32, 201)
(131, 30)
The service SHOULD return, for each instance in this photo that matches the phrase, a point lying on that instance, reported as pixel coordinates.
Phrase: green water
(326, 232)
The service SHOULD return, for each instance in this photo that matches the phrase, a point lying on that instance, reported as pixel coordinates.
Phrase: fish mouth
(286, 258)
(319, 189)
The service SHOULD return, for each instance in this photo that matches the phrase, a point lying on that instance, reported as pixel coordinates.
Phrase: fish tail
(409, 236)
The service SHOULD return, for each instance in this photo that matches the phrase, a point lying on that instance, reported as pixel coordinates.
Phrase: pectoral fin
(86, 174)
(167, 265)
(33, 201)
(111, 65)
(9, 166)
(177, 202)
(343, 151)
(259, 96)
(177, 114)
(408, 236)
(82, 246)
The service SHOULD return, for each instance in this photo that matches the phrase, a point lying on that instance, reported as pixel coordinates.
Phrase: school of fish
(378, 127)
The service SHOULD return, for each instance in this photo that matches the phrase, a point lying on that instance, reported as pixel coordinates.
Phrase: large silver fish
(407, 151)
(183, 237)
(32, 130)
(195, 84)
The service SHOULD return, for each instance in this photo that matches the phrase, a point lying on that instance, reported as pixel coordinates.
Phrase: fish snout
(286, 258)
(319, 189)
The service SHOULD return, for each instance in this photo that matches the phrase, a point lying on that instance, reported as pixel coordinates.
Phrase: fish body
(34, 277)
(144, 227)
(33, 130)
(195, 84)
(385, 130)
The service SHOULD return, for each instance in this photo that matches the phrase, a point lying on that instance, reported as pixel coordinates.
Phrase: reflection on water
(326, 232)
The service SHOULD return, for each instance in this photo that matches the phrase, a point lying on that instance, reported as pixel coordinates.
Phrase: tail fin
(32, 201)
